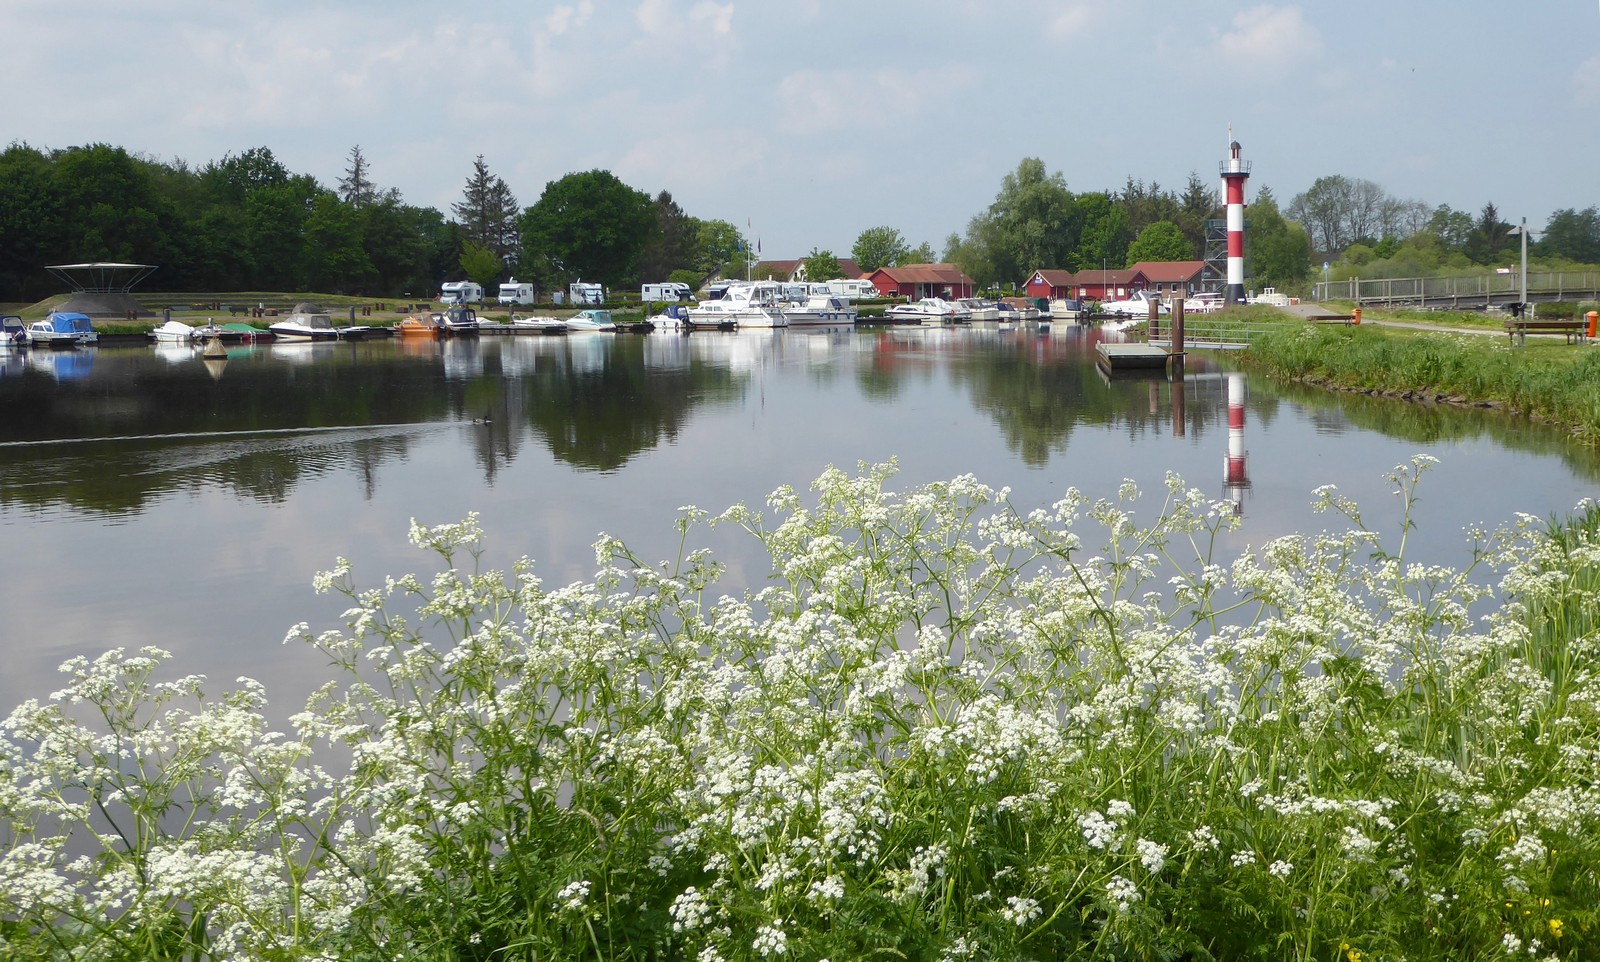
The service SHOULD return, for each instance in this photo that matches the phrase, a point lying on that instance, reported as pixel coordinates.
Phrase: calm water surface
(146, 498)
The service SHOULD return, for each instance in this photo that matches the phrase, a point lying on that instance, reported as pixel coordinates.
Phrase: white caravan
(516, 292)
(670, 292)
(461, 292)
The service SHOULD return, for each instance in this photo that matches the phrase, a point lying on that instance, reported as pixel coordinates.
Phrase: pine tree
(488, 212)
(355, 187)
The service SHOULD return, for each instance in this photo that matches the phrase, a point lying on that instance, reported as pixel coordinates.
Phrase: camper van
(853, 289)
(670, 292)
(580, 293)
(461, 292)
(514, 291)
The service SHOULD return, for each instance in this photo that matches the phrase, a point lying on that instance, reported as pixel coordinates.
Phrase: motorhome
(580, 293)
(855, 290)
(671, 292)
(461, 292)
(514, 291)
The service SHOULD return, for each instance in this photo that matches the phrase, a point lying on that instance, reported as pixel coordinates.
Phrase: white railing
(1467, 290)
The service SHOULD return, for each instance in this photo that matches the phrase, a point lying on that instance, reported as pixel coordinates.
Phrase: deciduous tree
(1161, 241)
(590, 226)
(878, 247)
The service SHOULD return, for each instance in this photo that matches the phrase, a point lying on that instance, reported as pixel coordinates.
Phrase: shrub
(943, 729)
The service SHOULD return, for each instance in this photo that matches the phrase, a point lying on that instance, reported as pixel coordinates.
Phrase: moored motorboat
(314, 327)
(927, 309)
(592, 319)
(62, 329)
(537, 325)
(820, 309)
(419, 325)
(13, 333)
(741, 305)
(175, 332)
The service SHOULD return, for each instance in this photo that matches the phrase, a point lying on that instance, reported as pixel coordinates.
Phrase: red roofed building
(1096, 284)
(1052, 285)
(795, 270)
(917, 281)
(1172, 278)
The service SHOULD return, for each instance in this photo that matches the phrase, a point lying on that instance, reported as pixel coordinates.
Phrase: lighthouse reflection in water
(1235, 479)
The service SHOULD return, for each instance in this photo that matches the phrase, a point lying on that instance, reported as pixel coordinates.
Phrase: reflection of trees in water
(1427, 423)
(122, 477)
(600, 417)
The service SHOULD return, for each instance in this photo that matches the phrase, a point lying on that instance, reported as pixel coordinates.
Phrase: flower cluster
(941, 729)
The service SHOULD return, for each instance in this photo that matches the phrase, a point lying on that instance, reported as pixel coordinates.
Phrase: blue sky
(812, 120)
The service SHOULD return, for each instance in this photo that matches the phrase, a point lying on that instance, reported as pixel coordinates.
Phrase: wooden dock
(1117, 358)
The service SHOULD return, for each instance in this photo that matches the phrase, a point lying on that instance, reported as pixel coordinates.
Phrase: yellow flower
(1555, 928)
(1354, 955)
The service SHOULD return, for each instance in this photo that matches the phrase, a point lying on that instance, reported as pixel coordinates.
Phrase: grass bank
(1547, 379)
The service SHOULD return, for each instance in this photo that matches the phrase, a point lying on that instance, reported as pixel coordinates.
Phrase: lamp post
(1523, 230)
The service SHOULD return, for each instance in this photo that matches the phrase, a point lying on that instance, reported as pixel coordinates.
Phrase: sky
(806, 122)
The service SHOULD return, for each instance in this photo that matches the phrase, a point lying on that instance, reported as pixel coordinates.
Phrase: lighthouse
(1235, 171)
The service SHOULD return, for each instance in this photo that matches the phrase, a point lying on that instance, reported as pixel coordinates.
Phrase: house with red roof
(1172, 279)
(1052, 285)
(917, 281)
(795, 270)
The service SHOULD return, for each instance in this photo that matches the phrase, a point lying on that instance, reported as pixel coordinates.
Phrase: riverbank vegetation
(1545, 379)
(941, 728)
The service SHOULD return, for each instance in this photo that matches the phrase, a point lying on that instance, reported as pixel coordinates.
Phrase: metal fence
(1477, 290)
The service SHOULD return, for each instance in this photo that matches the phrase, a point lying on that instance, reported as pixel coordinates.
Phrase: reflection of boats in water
(62, 365)
(174, 352)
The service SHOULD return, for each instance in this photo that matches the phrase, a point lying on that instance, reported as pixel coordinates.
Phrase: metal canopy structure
(101, 277)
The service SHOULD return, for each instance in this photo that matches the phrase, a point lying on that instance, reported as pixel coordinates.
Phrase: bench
(1331, 318)
(1518, 328)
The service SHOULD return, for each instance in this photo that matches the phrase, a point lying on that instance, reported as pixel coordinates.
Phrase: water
(148, 499)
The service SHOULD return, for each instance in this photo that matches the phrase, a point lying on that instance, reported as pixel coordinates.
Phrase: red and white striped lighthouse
(1235, 171)
(1234, 478)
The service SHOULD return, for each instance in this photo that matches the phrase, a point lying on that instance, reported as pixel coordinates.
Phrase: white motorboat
(175, 332)
(537, 325)
(978, 309)
(13, 333)
(307, 326)
(820, 309)
(1202, 303)
(1065, 309)
(62, 329)
(1136, 305)
(927, 309)
(741, 305)
(592, 319)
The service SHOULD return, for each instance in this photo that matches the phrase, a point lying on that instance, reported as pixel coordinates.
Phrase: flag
(758, 245)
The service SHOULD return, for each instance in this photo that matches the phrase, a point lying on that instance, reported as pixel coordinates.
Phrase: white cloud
(1076, 21)
(1269, 38)
(1586, 83)
(830, 99)
(716, 17)
(568, 16)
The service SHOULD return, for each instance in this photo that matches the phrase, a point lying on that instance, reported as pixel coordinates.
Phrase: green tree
(1161, 241)
(878, 247)
(1571, 234)
(482, 265)
(334, 256)
(487, 212)
(589, 225)
(1279, 250)
(1106, 235)
(672, 244)
(1490, 236)
(355, 187)
(821, 265)
(1144, 205)
(1032, 222)
(720, 250)
(1198, 204)
(32, 232)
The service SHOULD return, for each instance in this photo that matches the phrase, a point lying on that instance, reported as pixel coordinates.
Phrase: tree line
(245, 223)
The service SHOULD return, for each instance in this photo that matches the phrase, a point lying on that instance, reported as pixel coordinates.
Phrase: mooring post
(1154, 318)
